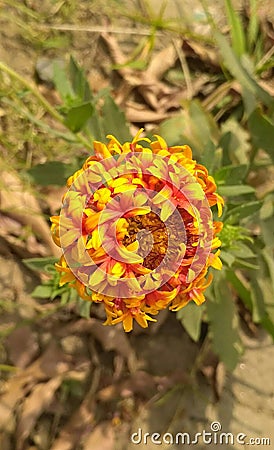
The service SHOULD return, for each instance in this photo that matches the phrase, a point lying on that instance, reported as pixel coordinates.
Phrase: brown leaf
(24, 208)
(50, 364)
(39, 399)
(22, 346)
(202, 52)
(135, 112)
(78, 426)
(161, 62)
(53, 195)
(111, 338)
(101, 438)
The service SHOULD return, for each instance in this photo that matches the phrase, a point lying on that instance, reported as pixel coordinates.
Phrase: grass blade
(236, 29)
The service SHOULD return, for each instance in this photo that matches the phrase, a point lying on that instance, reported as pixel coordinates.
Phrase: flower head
(137, 231)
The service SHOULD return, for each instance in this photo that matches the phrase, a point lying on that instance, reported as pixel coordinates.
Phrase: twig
(97, 29)
(185, 69)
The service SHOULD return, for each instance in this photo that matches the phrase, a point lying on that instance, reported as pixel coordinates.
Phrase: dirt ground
(74, 379)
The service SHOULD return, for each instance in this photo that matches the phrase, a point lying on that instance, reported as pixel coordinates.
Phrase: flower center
(155, 237)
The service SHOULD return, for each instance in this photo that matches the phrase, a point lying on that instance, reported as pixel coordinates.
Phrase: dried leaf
(111, 338)
(50, 364)
(202, 52)
(75, 429)
(39, 399)
(161, 62)
(135, 112)
(101, 438)
(24, 208)
(22, 346)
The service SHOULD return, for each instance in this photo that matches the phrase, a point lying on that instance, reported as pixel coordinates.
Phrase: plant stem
(47, 106)
(43, 101)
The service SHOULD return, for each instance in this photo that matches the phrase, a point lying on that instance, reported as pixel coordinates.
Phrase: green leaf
(268, 325)
(191, 318)
(114, 120)
(267, 256)
(243, 263)
(245, 209)
(258, 306)
(236, 29)
(258, 300)
(242, 290)
(194, 126)
(227, 258)
(58, 292)
(51, 172)
(253, 25)
(235, 142)
(231, 174)
(95, 127)
(40, 264)
(83, 307)
(223, 325)
(234, 191)
(79, 82)
(240, 73)
(42, 291)
(242, 251)
(61, 81)
(136, 64)
(262, 132)
(77, 116)
(211, 157)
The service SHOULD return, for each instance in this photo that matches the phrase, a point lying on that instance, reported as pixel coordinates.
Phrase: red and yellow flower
(137, 231)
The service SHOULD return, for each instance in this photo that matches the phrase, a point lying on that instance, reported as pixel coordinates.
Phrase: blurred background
(196, 72)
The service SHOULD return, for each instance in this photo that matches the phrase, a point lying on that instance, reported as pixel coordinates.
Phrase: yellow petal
(138, 211)
(102, 149)
(128, 323)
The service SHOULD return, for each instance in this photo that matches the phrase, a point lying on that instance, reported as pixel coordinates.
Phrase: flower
(137, 230)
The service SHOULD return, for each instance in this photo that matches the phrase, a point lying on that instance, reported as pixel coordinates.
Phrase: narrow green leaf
(245, 209)
(253, 25)
(236, 29)
(61, 81)
(239, 72)
(268, 325)
(40, 264)
(243, 263)
(266, 254)
(234, 191)
(242, 290)
(79, 82)
(242, 251)
(191, 318)
(42, 291)
(227, 258)
(231, 174)
(83, 307)
(77, 116)
(58, 292)
(262, 132)
(258, 306)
